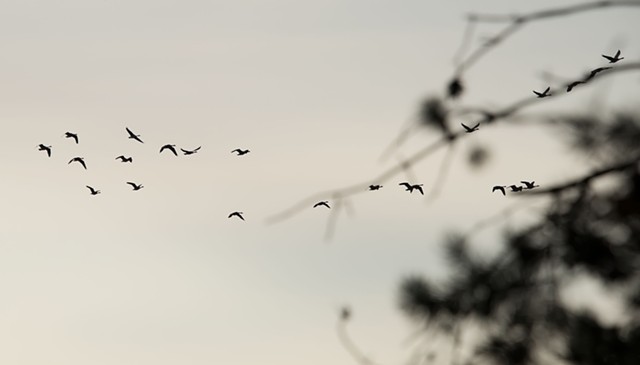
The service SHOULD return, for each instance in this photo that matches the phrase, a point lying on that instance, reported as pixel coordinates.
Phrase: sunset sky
(316, 90)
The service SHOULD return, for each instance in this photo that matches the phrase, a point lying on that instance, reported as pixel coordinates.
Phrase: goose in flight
(80, 160)
(71, 135)
(133, 135)
(615, 58)
(472, 129)
(543, 94)
(574, 84)
(240, 152)
(170, 147)
(499, 187)
(410, 187)
(375, 187)
(236, 214)
(322, 203)
(135, 186)
(42, 147)
(187, 152)
(93, 191)
(124, 159)
(515, 188)
(529, 184)
(596, 71)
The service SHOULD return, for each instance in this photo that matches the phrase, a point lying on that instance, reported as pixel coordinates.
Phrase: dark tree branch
(585, 180)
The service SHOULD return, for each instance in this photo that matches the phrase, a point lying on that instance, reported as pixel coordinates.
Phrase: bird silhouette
(323, 203)
(499, 187)
(93, 191)
(594, 72)
(410, 187)
(472, 129)
(135, 186)
(42, 147)
(170, 147)
(80, 160)
(615, 58)
(71, 135)
(375, 187)
(240, 152)
(187, 152)
(543, 94)
(529, 184)
(133, 135)
(124, 159)
(237, 214)
(515, 188)
(574, 84)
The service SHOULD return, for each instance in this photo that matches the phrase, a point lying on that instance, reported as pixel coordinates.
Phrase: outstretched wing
(82, 163)
(617, 54)
(133, 185)
(608, 57)
(501, 188)
(185, 151)
(48, 151)
(465, 127)
(236, 150)
(90, 188)
(537, 93)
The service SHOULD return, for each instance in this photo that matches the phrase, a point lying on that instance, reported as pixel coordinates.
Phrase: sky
(316, 90)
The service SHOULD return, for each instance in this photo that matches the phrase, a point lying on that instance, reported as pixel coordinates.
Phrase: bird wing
(406, 184)
(617, 54)
(465, 127)
(419, 188)
(197, 149)
(173, 150)
(608, 57)
(185, 151)
(121, 157)
(83, 164)
(537, 93)
(476, 126)
(75, 137)
(236, 150)
(90, 188)
(132, 184)
(48, 152)
(547, 89)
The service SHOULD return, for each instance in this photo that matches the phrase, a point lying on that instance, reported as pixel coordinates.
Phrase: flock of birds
(408, 186)
(124, 159)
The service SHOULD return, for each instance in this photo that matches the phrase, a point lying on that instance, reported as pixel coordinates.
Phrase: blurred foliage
(514, 297)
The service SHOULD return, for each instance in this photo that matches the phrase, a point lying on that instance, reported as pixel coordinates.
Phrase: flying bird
(593, 73)
(472, 129)
(529, 184)
(80, 160)
(499, 187)
(237, 214)
(187, 152)
(615, 58)
(170, 147)
(240, 152)
(133, 135)
(93, 191)
(543, 94)
(410, 187)
(515, 188)
(574, 84)
(125, 159)
(375, 187)
(42, 147)
(135, 186)
(71, 135)
(323, 203)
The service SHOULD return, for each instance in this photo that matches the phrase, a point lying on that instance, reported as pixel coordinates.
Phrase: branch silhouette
(516, 22)
(488, 117)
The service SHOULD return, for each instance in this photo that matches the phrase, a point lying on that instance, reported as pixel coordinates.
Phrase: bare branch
(518, 21)
(585, 180)
(488, 117)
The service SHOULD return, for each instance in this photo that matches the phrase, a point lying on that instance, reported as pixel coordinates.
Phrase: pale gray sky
(316, 90)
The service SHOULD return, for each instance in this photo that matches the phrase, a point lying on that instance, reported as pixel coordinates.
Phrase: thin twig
(516, 22)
